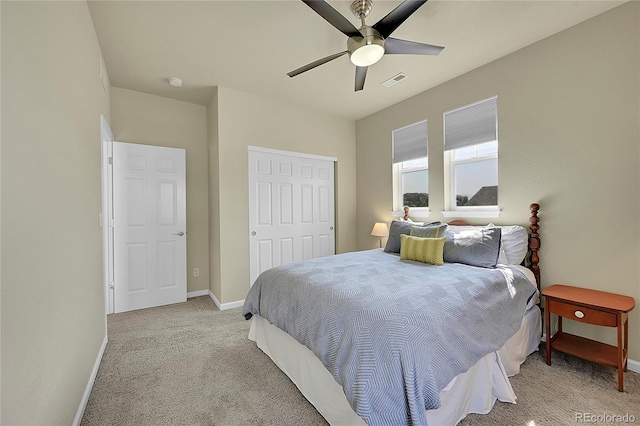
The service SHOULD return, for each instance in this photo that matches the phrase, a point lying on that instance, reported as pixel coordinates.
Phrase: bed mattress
(474, 391)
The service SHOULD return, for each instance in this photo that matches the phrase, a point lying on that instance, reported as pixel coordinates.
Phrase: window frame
(451, 162)
(451, 207)
(397, 172)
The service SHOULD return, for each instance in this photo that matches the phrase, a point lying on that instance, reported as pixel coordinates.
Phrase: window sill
(414, 213)
(493, 213)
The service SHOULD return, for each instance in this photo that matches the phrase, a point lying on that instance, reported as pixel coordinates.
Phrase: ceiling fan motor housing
(361, 8)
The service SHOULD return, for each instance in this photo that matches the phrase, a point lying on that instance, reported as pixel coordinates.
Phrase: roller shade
(410, 142)
(471, 125)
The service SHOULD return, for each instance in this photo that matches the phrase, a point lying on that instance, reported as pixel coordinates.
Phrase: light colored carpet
(191, 364)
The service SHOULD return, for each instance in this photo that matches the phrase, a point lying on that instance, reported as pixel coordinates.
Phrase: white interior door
(149, 204)
(291, 208)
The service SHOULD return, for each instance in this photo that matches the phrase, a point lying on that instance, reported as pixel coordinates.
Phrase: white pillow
(514, 242)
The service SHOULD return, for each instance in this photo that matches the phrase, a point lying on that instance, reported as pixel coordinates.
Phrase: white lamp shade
(380, 230)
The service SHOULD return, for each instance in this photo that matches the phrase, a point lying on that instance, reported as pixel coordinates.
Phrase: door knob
(179, 234)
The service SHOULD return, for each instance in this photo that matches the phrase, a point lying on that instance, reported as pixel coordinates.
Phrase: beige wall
(245, 120)
(153, 120)
(568, 110)
(53, 308)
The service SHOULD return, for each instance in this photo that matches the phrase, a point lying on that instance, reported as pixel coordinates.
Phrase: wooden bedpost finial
(406, 213)
(534, 241)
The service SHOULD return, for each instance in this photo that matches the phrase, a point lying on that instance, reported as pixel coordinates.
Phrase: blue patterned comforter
(393, 333)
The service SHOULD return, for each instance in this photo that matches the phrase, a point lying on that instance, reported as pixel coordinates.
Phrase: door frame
(291, 153)
(106, 216)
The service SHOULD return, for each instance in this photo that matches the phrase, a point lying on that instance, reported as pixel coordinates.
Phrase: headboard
(534, 239)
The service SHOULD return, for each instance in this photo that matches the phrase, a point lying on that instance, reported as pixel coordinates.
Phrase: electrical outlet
(196, 272)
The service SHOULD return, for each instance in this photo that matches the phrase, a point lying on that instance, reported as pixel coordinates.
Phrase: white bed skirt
(474, 391)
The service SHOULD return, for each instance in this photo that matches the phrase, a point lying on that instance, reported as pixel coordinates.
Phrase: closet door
(291, 208)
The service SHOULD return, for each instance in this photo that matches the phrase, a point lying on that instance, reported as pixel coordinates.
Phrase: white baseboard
(92, 379)
(632, 365)
(225, 306)
(197, 293)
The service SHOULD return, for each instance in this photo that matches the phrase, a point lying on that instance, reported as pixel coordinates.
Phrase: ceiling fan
(368, 44)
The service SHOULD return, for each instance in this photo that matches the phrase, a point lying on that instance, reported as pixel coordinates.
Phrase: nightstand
(591, 307)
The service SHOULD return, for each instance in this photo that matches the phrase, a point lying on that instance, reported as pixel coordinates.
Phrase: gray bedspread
(393, 333)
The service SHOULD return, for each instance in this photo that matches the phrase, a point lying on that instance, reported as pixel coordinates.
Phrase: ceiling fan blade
(314, 64)
(333, 17)
(394, 46)
(361, 74)
(397, 16)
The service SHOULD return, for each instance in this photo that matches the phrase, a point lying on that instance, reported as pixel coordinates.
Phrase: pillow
(426, 250)
(397, 228)
(515, 244)
(432, 230)
(514, 241)
(479, 247)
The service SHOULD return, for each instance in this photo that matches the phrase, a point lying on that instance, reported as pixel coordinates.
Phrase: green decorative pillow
(427, 250)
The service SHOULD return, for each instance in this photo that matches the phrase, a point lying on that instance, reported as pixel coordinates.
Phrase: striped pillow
(432, 230)
(427, 250)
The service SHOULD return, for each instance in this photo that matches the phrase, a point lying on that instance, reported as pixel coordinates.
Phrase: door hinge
(111, 223)
(111, 160)
(112, 285)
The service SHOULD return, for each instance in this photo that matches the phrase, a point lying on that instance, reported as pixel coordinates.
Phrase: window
(411, 167)
(413, 178)
(471, 157)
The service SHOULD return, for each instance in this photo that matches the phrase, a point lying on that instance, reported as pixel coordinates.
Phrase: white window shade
(471, 125)
(410, 142)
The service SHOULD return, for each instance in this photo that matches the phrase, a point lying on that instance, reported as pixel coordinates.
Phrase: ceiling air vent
(394, 80)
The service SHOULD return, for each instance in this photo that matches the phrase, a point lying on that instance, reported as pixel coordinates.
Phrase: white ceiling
(251, 45)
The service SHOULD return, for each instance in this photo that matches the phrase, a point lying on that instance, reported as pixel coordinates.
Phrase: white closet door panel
(306, 203)
(291, 204)
(307, 247)
(286, 203)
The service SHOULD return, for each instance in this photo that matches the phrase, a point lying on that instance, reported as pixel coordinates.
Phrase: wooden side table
(591, 307)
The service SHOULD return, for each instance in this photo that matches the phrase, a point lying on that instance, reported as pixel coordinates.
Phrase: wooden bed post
(534, 242)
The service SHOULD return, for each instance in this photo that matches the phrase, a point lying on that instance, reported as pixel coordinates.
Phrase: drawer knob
(579, 314)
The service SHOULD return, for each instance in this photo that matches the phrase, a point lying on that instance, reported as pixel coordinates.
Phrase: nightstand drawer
(582, 314)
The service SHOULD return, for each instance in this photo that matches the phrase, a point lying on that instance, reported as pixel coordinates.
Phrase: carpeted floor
(191, 364)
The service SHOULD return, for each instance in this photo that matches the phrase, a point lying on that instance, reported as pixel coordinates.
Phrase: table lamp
(380, 230)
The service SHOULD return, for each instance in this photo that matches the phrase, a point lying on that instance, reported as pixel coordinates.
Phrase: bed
(424, 336)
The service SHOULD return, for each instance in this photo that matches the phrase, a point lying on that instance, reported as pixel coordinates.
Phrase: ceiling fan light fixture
(367, 55)
(366, 51)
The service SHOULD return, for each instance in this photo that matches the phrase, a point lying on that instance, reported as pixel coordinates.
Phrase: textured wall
(153, 120)
(568, 112)
(53, 307)
(245, 120)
